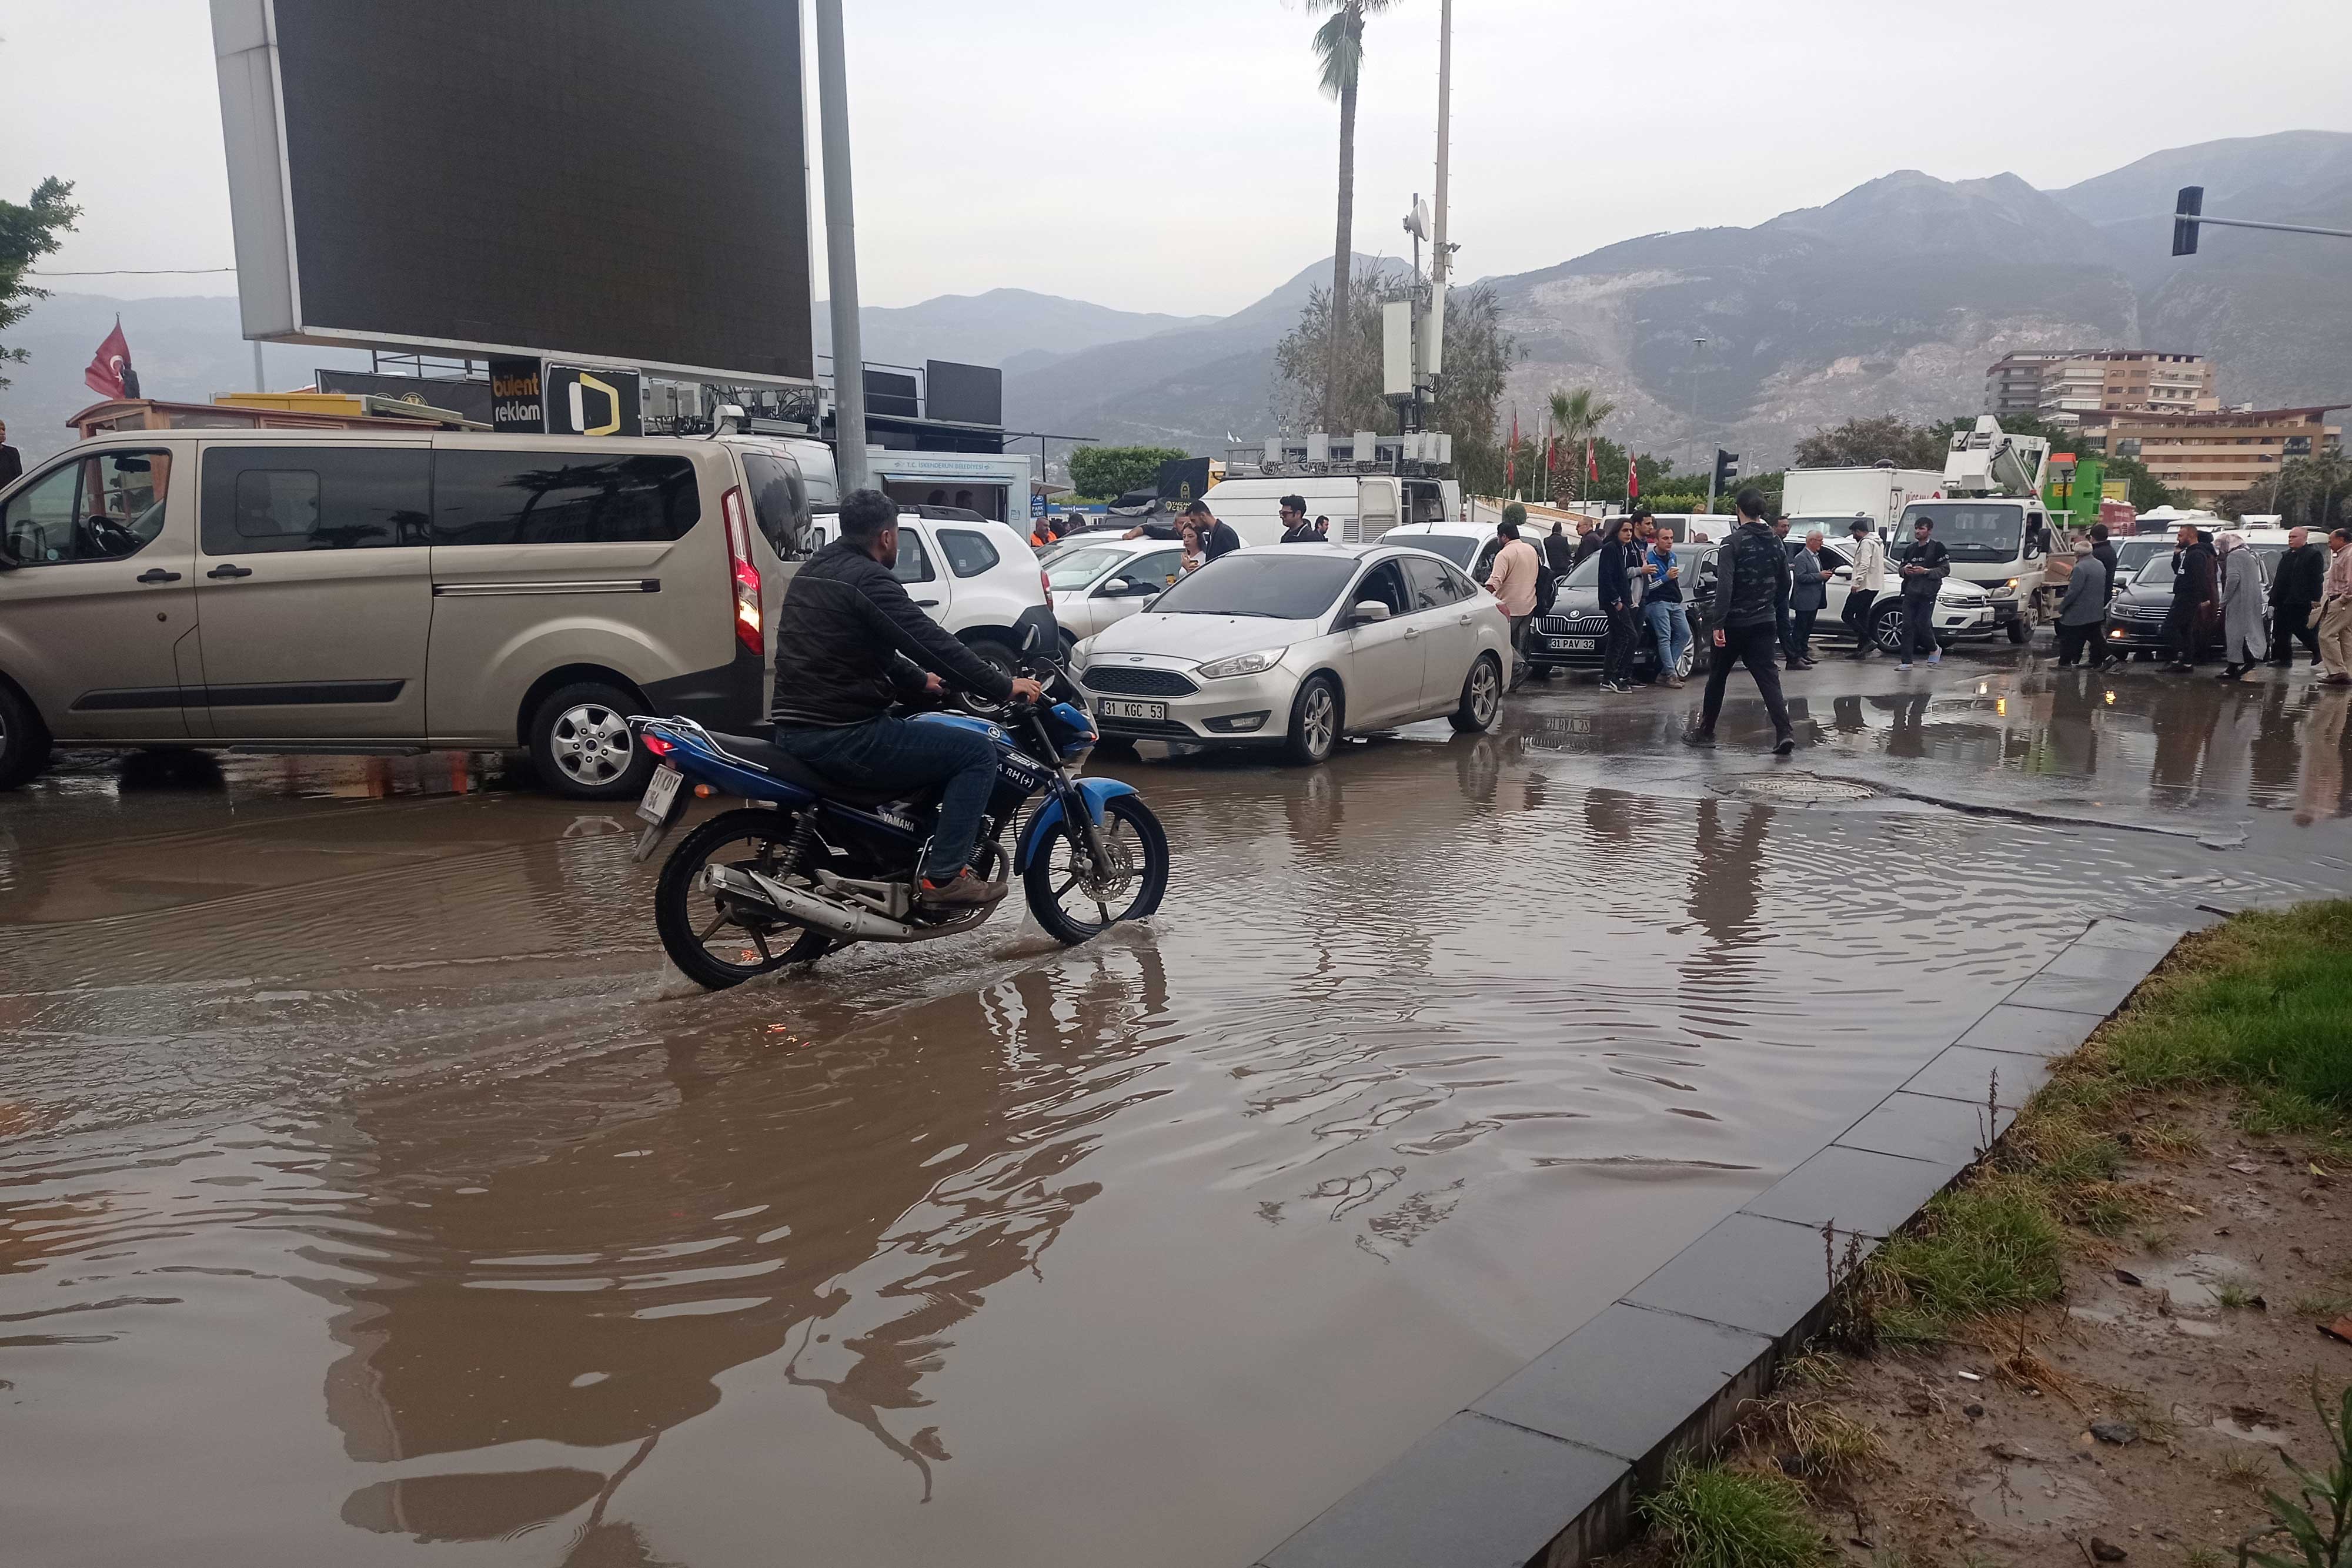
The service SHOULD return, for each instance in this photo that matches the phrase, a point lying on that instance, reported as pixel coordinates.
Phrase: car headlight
(2009, 587)
(1242, 664)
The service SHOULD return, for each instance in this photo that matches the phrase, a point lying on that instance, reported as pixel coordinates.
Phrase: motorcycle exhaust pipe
(822, 914)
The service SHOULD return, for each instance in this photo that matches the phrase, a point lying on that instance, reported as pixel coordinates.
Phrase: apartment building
(2061, 386)
(2212, 454)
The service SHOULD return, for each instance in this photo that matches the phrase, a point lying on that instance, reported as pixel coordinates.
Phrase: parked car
(1575, 635)
(977, 577)
(1108, 580)
(1965, 612)
(2135, 623)
(382, 590)
(1295, 646)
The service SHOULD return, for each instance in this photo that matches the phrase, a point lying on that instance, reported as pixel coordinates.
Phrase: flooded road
(367, 1184)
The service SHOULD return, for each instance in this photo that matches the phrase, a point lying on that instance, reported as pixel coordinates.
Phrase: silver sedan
(1294, 645)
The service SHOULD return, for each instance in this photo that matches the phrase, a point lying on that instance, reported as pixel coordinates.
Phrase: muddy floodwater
(369, 1192)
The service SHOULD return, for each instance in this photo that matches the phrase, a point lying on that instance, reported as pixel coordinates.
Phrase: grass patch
(2235, 1294)
(2262, 1002)
(1715, 1517)
(1993, 1245)
(1828, 1444)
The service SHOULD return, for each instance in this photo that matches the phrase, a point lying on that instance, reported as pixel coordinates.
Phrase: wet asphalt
(370, 1189)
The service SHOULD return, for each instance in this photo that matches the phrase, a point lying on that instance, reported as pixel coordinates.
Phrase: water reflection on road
(368, 1184)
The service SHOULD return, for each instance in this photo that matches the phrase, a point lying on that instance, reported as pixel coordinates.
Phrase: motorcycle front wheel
(1072, 901)
(713, 940)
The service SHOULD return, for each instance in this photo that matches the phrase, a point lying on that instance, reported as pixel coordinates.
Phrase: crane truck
(1993, 520)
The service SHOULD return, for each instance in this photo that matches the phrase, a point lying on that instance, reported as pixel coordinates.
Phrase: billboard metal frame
(261, 205)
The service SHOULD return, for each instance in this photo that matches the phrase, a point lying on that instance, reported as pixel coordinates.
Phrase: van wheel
(1315, 719)
(23, 741)
(581, 744)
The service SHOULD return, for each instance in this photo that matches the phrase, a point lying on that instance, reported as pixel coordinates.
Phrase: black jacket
(1751, 577)
(2197, 578)
(2105, 550)
(849, 642)
(2301, 575)
(1615, 582)
(1220, 539)
(1586, 543)
(12, 467)
(1558, 554)
(1935, 557)
(1302, 534)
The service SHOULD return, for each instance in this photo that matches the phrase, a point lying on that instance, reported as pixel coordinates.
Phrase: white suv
(978, 578)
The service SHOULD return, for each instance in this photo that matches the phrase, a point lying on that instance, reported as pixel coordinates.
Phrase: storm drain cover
(1803, 790)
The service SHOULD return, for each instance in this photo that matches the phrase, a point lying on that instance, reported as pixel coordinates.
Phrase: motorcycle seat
(777, 763)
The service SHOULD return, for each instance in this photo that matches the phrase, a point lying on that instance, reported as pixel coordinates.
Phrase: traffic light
(2186, 208)
(1727, 470)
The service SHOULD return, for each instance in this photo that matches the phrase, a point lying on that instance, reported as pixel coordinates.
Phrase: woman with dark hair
(1619, 593)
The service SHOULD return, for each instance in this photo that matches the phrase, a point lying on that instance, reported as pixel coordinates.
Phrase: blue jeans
(1669, 624)
(899, 753)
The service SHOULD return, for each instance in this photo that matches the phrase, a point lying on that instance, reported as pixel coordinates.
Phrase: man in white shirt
(1868, 553)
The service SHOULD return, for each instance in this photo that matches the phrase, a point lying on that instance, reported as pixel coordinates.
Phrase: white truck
(1991, 516)
(1830, 498)
(1365, 483)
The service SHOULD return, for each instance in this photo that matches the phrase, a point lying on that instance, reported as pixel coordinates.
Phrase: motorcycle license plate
(1110, 707)
(654, 807)
(1573, 644)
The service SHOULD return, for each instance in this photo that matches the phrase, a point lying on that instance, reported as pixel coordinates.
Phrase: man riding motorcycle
(849, 642)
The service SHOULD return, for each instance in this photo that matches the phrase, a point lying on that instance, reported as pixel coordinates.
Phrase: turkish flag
(1592, 468)
(1511, 453)
(1633, 480)
(109, 374)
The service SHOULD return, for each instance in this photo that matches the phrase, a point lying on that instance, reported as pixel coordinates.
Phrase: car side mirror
(1113, 587)
(1844, 574)
(1366, 612)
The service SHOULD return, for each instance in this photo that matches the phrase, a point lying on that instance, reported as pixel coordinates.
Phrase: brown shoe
(964, 889)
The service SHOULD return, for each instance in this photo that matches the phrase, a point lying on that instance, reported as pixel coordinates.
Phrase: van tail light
(742, 572)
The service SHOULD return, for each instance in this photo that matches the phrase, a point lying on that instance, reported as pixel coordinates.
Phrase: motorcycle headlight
(1242, 664)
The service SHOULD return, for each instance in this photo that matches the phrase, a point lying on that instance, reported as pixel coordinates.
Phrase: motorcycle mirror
(1028, 635)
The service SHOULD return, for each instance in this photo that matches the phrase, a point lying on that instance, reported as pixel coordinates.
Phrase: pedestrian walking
(1621, 596)
(1217, 538)
(1558, 554)
(2195, 598)
(2242, 645)
(12, 466)
(2336, 611)
(2301, 573)
(1923, 574)
(1808, 593)
(1512, 580)
(2082, 608)
(1751, 578)
(1296, 529)
(1663, 612)
(1868, 552)
(2106, 554)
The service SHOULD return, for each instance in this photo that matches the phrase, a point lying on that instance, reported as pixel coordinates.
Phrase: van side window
(262, 500)
(103, 507)
(914, 562)
(969, 554)
(561, 499)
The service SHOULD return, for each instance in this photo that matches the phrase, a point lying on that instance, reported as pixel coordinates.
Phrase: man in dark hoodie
(1751, 581)
(2196, 596)
(1559, 555)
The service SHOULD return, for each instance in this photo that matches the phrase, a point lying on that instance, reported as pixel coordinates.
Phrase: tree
(29, 233)
(1877, 438)
(1478, 354)
(1576, 418)
(1339, 51)
(1113, 471)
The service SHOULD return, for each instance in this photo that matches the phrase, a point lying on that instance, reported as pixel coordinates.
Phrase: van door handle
(226, 570)
(157, 574)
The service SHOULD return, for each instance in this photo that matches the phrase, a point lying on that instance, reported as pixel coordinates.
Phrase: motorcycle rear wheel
(1063, 892)
(715, 945)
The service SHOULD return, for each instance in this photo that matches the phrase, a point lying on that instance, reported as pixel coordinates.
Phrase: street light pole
(1697, 344)
(841, 252)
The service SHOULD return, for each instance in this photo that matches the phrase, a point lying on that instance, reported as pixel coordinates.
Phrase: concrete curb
(1541, 1470)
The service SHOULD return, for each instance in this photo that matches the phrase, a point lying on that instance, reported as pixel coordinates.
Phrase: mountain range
(1893, 297)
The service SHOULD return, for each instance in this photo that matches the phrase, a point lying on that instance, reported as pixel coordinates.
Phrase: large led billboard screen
(608, 179)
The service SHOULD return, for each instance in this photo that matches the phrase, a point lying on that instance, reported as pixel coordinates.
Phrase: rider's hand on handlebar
(934, 686)
(1026, 690)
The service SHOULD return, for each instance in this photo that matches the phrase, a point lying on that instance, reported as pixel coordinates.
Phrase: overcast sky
(1177, 157)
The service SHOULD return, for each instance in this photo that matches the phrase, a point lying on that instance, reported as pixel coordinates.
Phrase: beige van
(331, 590)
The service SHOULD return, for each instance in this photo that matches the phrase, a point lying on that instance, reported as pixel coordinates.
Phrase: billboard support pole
(841, 252)
(258, 384)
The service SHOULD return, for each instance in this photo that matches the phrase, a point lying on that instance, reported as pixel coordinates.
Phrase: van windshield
(1971, 531)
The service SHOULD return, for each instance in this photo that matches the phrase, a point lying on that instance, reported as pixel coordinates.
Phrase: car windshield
(1297, 587)
(2159, 570)
(2133, 554)
(1076, 569)
(1455, 548)
(1971, 530)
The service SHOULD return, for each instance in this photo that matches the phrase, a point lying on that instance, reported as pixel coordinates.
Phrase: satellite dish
(1416, 222)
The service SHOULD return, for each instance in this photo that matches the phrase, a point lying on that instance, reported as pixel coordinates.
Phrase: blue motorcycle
(810, 865)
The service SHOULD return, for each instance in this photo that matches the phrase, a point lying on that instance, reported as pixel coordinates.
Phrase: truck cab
(2001, 543)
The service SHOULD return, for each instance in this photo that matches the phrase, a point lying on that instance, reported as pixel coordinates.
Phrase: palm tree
(1340, 48)
(1578, 415)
